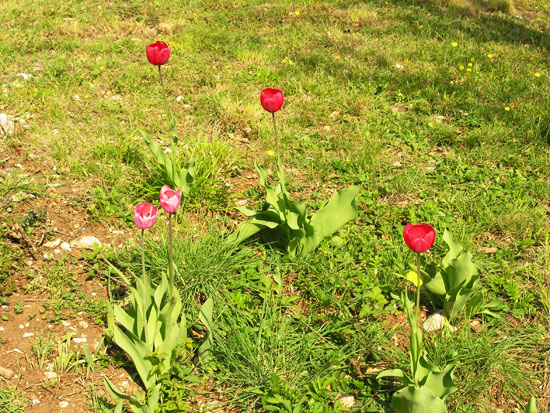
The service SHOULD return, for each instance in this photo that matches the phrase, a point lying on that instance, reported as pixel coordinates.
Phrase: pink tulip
(145, 215)
(158, 53)
(170, 199)
(419, 238)
(271, 99)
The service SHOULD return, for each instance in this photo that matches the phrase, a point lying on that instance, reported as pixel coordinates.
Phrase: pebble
(346, 399)
(435, 322)
(79, 340)
(6, 124)
(50, 375)
(83, 324)
(6, 373)
(65, 323)
(26, 335)
(53, 244)
(65, 246)
(63, 404)
(86, 242)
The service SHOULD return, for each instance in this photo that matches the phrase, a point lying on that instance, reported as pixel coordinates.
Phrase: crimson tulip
(419, 238)
(145, 215)
(158, 53)
(271, 99)
(170, 199)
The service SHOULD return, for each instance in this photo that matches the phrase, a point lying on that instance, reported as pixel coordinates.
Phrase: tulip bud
(145, 215)
(271, 99)
(419, 238)
(158, 53)
(170, 199)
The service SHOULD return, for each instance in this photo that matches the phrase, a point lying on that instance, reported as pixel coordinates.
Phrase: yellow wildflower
(270, 153)
(507, 108)
(537, 74)
(460, 67)
(454, 44)
(413, 278)
(490, 56)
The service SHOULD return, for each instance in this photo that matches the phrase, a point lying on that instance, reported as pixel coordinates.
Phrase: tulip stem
(171, 257)
(418, 288)
(143, 281)
(276, 136)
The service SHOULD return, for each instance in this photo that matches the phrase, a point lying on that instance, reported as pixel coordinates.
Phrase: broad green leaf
(414, 399)
(339, 210)
(532, 406)
(459, 271)
(440, 382)
(454, 248)
(137, 350)
(205, 317)
(434, 285)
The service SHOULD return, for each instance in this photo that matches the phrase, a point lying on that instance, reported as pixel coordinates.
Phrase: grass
(438, 110)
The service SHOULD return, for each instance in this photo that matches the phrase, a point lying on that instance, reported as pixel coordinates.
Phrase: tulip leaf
(532, 406)
(415, 399)
(287, 221)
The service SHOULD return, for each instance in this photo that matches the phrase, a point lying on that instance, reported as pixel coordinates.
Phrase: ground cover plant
(436, 111)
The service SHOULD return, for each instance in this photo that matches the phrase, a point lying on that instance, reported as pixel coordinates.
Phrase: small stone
(80, 340)
(347, 400)
(27, 324)
(53, 244)
(2, 329)
(63, 404)
(65, 246)
(16, 350)
(83, 324)
(26, 335)
(35, 401)
(475, 325)
(48, 256)
(6, 373)
(488, 250)
(21, 326)
(57, 251)
(397, 163)
(6, 124)
(50, 375)
(65, 323)
(25, 76)
(435, 322)
(29, 263)
(86, 242)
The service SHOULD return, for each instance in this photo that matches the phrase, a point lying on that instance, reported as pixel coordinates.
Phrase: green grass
(406, 99)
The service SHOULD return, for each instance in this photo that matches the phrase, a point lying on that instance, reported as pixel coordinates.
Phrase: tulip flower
(271, 99)
(419, 238)
(170, 199)
(158, 53)
(145, 215)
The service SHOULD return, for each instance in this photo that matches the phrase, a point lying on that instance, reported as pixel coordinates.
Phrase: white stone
(79, 340)
(6, 124)
(65, 323)
(346, 399)
(86, 242)
(436, 322)
(25, 76)
(48, 256)
(53, 244)
(26, 335)
(50, 375)
(65, 246)
(63, 404)
(83, 324)
(35, 401)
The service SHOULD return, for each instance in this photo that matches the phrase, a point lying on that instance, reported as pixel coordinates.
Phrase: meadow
(437, 111)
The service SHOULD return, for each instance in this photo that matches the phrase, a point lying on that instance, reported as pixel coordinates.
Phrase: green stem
(171, 257)
(143, 281)
(418, 290)
(171, 122)
(276, 136)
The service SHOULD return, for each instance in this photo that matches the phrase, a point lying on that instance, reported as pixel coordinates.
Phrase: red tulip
(158, 53)
(145, 215)
(271, 99)
(419, 238)
(170, 199)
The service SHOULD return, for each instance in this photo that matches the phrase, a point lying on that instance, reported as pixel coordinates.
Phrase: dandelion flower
(468, 70)
(507, 108)
(270, 153)
(473, 59)
(469, 65)
(421, 26)
(297, 13)
(490, 56)
(537, 74)
(454, 44)
(460, 67)
(337, 57)
(413, 278)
